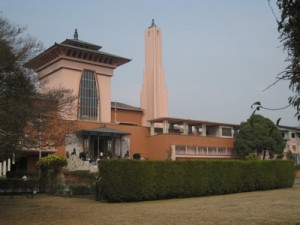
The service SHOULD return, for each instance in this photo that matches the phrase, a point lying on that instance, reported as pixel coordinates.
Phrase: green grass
(280, 206)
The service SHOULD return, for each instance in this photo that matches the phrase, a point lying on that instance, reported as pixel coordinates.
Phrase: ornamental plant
(50, 167)
(52, 162)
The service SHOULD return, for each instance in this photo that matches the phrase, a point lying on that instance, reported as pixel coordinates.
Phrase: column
(152, 132)
(173, 156)
(8, 165)
(185, 128)
(203, 129)
(165, 127)
(4, 168)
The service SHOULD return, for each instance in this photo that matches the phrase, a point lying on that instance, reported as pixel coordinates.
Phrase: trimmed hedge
(14, 185)
(138, 180)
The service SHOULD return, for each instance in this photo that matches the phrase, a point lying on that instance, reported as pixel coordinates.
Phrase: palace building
(107, 129)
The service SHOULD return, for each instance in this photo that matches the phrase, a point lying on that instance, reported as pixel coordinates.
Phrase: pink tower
(154, 94)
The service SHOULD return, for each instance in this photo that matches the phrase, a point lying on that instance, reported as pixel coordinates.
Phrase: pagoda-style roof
(76, 50)
(81, 44)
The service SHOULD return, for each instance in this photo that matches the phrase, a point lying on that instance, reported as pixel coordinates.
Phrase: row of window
(292, 135)
(203, 150)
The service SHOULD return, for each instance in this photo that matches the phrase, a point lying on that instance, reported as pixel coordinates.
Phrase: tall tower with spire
(154, 94)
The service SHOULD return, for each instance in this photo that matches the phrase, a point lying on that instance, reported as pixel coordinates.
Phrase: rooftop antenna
(153, 24)
(76, 35)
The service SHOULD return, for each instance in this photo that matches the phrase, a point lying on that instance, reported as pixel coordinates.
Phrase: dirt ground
(266, 207)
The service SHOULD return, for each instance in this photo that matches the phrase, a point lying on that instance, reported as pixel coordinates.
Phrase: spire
(153, 24)
(76, 35)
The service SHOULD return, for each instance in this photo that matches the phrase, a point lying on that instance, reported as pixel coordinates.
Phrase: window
(293, 135)
(221, 151)
(88, 97)
(226, 132)
(212, 151)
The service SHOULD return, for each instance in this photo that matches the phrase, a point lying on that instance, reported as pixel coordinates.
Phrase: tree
(16, 84)
(259, 135)
(49, 124)
(51, 167)
(289, 28)
(31, 116)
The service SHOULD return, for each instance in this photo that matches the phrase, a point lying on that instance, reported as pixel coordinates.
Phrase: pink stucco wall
(66, 73)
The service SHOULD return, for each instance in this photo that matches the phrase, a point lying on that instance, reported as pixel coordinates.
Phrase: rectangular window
(226, 131)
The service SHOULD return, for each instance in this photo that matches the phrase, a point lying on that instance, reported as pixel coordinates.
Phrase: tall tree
(16, 85)
(289, 29)
(50, 122)
(259, 135)
(31, 116)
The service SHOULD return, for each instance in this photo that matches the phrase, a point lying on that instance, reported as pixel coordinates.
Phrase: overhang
(103, 132)
(190, 122)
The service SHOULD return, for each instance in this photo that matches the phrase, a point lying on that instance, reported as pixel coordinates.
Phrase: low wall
(297, 174)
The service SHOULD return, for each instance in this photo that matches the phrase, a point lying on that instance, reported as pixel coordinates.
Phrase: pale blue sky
(218, 56)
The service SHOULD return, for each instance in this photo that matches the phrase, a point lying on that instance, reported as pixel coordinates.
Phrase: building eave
(191, 122)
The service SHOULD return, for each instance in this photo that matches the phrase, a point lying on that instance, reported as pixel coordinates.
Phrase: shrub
(14, 185)
(51, 167)
(82, 189)
(138, 180)
(52, 162)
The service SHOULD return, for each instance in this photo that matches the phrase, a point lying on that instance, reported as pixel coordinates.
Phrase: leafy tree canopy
(16, 84)
(258, 135)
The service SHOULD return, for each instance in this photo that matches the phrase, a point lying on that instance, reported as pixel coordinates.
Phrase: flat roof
(190, 122)
(120, 105)
(103, 132)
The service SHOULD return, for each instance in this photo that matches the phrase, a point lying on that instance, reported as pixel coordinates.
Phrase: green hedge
(14, 185)
(138, 180)
(82, 190)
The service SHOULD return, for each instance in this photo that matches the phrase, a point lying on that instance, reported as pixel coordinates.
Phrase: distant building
(109, 129)
(292, 137)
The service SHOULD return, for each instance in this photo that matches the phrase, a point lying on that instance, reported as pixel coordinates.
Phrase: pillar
(203, 129)
(185, 128)
(165, 127)
(8, 165)
(4, 168)
(152, 131)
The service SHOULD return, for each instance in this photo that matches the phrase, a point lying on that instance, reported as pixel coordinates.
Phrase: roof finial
(153, 24)
(76, 35)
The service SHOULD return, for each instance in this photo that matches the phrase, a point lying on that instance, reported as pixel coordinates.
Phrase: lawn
(264, 207)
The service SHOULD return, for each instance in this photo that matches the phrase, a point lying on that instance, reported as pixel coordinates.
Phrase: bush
(136, 180)
(50, 169)
(85, 178)
(14, 185)
(21, 173)
(82, 190)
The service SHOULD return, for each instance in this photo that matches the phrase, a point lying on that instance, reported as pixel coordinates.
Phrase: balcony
(168, 125)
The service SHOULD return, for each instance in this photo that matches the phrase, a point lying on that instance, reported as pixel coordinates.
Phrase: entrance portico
(102, 142)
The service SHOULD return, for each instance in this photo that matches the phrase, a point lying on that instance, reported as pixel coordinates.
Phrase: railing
(203, 150)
